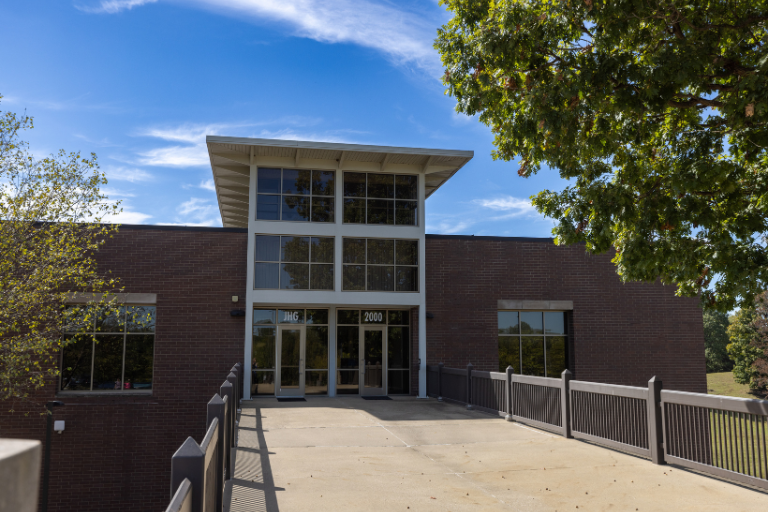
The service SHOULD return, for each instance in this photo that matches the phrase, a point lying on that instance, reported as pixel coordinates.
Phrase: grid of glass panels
(372, 264)
(371, 198)
(293, 263)
(533, 342)
(264, 344)
(296, 195)
(348, 348)
(112, 352)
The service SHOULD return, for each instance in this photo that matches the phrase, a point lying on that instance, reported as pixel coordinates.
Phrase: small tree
(716, 341)
(50, 214)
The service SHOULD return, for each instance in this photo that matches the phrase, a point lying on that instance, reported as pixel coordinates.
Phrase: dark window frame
(394, 199)
(279, 262)
(310, 196)
(544, 335)
(394, 265)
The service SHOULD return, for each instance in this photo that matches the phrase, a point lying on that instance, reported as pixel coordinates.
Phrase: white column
(332, 351)
(422, 291)
(248, 347)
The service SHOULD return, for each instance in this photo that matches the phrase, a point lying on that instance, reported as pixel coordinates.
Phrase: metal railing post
(469, 386)
(565, 403)
(440, 382)
(655, 426)
(217, 409)
(508, 383)
(189, 462)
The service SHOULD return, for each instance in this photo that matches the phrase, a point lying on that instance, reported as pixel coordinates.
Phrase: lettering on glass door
(290, 316)
(374, 316)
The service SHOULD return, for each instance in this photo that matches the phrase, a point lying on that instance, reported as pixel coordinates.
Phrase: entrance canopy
(231, 158)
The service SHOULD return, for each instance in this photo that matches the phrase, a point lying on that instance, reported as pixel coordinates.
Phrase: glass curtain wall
(375, 264)
(380, 198)
(533, 342)
(295, 195)
(293, 262)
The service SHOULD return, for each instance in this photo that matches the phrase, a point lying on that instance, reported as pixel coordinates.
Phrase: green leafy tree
(742, 349)
(50, 214)
(715, 341)
(655, 111)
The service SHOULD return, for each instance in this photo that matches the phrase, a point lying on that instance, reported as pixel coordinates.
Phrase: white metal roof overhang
(231, 158)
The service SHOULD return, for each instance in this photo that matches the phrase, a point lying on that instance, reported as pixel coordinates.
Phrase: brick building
(323, 282)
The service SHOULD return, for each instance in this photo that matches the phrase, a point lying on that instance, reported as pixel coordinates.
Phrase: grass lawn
(723, 384)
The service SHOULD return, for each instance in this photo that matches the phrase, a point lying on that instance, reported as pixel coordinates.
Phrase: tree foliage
(50, 213)
(748, 348)
(656, 112)
(716, 341)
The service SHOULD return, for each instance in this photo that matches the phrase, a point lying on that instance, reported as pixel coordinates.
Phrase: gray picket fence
(198, 471)
(722, 436)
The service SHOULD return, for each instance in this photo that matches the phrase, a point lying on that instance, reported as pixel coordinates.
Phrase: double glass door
(291, 343)
(373, 369)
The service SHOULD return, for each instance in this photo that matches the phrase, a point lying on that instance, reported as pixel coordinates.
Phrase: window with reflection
(295, 195)
(109, 349)
(373, 198)
(373, 264)
(533, 342)
(293, 262)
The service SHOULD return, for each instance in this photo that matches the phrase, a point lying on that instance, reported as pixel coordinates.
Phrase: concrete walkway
(351, 454)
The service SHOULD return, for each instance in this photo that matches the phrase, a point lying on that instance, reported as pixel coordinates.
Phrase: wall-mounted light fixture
(58, 426)
(235, 298)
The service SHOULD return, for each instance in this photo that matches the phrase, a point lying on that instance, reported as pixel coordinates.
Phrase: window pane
(77, 319)
(347, 347)
(530, 323)
(262, 383)
(407, 279)
(533, 355)
(263, 348)
(295, 208)
(294, 276)
(139, 353)
(381, 278)
(381, 252)
(509, 353)
(321, 277)
(353, 277)
(380, 211)
(347, 382)
(554, 322)
(111, 320)
(398, 382)
(405, 213)
(108, 363)
(290, 316)
(264, 316)
(141, 318)
(297, 182)
(266, 275)
(316, 383)
(322, 183)
(381, 186)
(354, 184)
(267, 248)
(268, 181)
(354, 250)
(267, 207)
(508, 322)
(555, 356)
(398, 317)
(317, 347)
(322, 209)
(406, 187)
(348, 316)
(397, 347)
(317, 316)
(76, 364)
(354, 211)
(407, 252)
(294, 249)
(322, 250)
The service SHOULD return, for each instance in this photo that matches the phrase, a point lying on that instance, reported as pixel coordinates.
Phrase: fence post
(238, 387)
(217, 409)
(189, 462)
(469, 386)
(565, 403)
(439, 382)
(508, 383)
(227, 392)
(655, 427)
(232, 379)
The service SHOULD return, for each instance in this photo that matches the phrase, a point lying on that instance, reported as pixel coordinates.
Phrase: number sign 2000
(374, 316)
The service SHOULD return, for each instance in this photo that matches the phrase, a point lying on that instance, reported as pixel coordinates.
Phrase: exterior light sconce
(430, 315)
(235, 298)
(58, 426)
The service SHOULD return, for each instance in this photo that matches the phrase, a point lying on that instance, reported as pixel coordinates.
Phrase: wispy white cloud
(208, 185)
(128, 174)
(198, 212)
(512, 206)
(128, 216)
(113, 6)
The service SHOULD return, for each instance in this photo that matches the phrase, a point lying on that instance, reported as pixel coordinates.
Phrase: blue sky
(141, 82)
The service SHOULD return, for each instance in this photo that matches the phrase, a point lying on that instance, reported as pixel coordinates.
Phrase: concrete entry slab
(408, 454)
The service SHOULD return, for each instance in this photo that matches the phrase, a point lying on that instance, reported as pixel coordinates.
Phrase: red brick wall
(115, 453)
(621, 333)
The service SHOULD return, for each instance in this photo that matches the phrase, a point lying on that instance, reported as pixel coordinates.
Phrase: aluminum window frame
(394, 264)
(282, 194)
(543, 335)
(279, 262)
(93, 333)
(394, 199)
